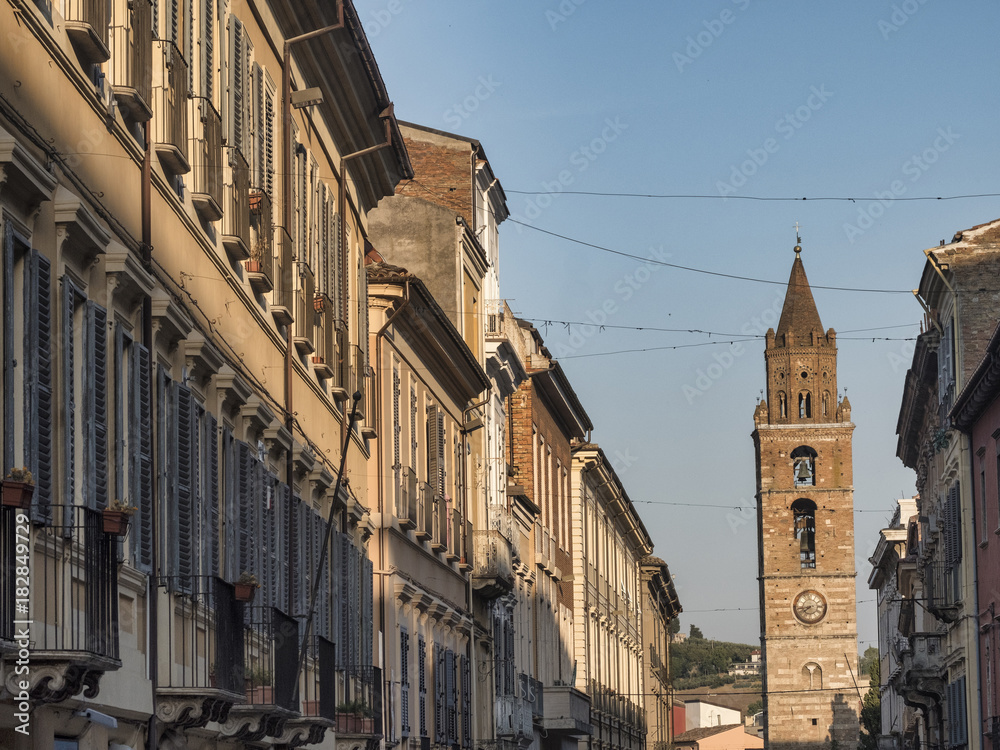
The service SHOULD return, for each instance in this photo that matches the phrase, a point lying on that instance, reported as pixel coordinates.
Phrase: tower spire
(799, 315)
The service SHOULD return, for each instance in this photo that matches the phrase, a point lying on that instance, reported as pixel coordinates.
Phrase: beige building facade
(195, 326)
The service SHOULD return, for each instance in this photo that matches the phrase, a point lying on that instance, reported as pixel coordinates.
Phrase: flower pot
(17, 494)
(260, 696)
(317, 360)
(319, 304)
(256, 203)
(254, 266)
(115, 522)
(244, 592)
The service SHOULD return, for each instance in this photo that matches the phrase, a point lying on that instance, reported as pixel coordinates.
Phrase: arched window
(805, 405)
(804, 514)
(782, 405)
(804, 466)
(826, 403)
(813, 674)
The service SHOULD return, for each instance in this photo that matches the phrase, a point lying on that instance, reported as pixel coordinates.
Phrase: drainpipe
(378, 463)
(152, 740)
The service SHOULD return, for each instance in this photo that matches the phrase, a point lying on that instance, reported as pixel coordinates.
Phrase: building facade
(805, 529)
(182, 270)
(940, 675)
(660, 607)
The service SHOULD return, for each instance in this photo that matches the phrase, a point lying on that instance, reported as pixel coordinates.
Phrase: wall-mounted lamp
(472, 425)
(306, 98)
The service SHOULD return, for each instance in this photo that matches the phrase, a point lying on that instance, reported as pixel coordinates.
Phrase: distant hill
(700, 657)
(737, 698)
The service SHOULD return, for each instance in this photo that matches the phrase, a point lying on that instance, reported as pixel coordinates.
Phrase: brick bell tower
(805, 534)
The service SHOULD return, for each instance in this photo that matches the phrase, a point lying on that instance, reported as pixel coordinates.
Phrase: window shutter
(95, 379)
(124, 462)
(9, 359)
(206, 15)
(363, 314)
(956, 491)
(413, 430)
(404, 681)
(354, 576)
(38, 358)
(337, 594)
(367, 609)
(272, 531)
(244, 505)
(450, 694)
(69, 400)
(210, 496)
(422, 683)
(268, 135)
(229, 476)
(439, 694)
(258, 127)
(337, 285)
(397, 426)
(345, 601)
(235, 96)
(466, 701)
(166, 461)
(141, 443)
(182, 545)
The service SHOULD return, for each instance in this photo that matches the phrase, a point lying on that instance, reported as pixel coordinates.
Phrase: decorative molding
(77, 226)
(21, 174)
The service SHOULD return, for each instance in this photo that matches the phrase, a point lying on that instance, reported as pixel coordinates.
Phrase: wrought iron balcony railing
(271, 656)
(131, 64)
(513, 718)
(359, 702)
(492, 563)
(425, 511)
(318, 686)
(260, 265)
(406, 497)
(206, 159)
(284, 281)
(236, 205)
(170, 105)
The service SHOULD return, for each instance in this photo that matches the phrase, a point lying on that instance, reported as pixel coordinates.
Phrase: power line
(653, 261)
(696, 196)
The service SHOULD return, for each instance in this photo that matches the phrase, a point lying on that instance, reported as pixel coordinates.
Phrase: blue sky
(731, 97)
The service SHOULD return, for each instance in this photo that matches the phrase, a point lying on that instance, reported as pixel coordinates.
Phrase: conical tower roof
(798, 315)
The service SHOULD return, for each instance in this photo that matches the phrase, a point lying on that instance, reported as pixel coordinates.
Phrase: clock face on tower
(810, 607)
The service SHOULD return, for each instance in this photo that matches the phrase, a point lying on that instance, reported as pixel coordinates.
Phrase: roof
(701, 733)
(799, 315)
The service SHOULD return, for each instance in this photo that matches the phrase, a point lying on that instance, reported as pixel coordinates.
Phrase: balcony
(131, 67)
(492, 564)
(352, 376)
(270, 657)
(205, 148)
(201, 672)
(318, 690)
(305, 309)
(513, 718)
(281, 298)
(74, 606)
(87, 28)
(170, 103)
(425, 511)
(359, 712)
(919, 677)
(325, 357)
(494, 320)
(406, 497)
(439, 524)
(942, 582)
(567, 711)
(456, 530)
(260, 266)
(341, 363)
(236, 206)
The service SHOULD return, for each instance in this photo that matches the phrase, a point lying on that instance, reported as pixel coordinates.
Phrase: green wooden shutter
(95, 381)
(142, 445)
(38, 361)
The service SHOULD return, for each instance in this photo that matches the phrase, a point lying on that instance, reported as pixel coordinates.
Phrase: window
(981, 453)
(782, 405)
(804, 514)
(826, 403)
(805, 405)
(804, 466)
(404, 681)
(813, 675)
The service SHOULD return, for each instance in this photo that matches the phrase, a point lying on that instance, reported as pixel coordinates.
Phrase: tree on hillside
(696, 632)
(871, 710)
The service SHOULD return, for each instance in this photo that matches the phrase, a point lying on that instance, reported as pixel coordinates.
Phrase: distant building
(725, 737)
(701, 713)
(747, 668)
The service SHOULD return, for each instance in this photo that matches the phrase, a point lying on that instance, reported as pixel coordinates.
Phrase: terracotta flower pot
(319, 304)
(244, 592)
(115, 522)
(254, 266)
(17, 494)
(256, 203)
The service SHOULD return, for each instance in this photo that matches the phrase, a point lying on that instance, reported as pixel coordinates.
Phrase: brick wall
(442, 175)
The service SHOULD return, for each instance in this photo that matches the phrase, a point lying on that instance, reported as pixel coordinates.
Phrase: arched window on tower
(782, 405)
(804, 466)
(826, 403)
(813, 674)
(804, 514)
(805, 405)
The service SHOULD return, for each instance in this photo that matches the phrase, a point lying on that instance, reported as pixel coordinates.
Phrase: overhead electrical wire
(697, 196)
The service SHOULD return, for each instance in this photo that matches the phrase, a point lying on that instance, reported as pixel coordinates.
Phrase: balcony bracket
(186, 708)
(249, 723)
(60, 677)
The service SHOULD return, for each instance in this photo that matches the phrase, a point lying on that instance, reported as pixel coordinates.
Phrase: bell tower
(805, 534)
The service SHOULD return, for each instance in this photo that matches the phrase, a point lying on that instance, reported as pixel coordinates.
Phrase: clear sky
(731, 97)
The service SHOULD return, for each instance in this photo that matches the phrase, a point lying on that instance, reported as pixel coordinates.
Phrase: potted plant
(258, 686)
(245, 587)
(355, 717)
(116, 518)
(18, 488)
